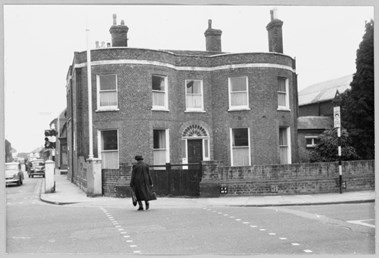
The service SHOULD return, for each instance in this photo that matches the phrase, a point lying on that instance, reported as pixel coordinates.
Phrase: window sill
(105, 109)
(194, 111)
(284, 109)
(160, 109)
(239, 109)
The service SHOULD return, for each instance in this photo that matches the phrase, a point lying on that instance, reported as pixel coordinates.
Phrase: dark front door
(195, 151)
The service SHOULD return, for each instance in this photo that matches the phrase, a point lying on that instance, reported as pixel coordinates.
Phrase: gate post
(168, 169)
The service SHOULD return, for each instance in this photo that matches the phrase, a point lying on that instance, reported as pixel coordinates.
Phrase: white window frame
(240, 107)
(100, 147)
(165, 107)
(313, 145)
(287, 106)
(98, 91)
(289, 148)
(191, 109)
(231, 146)
(167, 139)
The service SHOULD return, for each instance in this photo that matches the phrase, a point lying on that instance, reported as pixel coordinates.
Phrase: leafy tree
(357, 104)
(327, 148)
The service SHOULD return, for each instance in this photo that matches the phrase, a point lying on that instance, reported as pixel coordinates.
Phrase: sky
(40, 41)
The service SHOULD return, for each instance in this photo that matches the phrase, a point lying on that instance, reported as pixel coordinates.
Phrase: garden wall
(301, 178)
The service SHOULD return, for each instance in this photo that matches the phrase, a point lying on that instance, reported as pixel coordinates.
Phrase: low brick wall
(116, 181)
(301, 178)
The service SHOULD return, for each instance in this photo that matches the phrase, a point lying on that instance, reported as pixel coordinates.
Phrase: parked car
(37, 168)
(13, 175)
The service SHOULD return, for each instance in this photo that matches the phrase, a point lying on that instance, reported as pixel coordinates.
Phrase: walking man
(141, 182)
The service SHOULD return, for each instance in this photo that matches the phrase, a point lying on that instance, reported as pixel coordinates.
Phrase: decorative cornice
(186, 68)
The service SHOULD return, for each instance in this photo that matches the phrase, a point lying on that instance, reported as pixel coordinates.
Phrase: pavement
(68, 193)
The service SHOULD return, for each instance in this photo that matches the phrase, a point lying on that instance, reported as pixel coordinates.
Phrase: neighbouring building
(316, 112)
(174, 106)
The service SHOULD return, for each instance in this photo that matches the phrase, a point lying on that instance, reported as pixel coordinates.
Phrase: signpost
(337, 124)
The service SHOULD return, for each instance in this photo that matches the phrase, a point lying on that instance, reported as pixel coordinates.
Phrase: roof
(324, 91)
(314, 122)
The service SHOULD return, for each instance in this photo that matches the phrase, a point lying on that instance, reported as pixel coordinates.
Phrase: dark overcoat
(141, 181)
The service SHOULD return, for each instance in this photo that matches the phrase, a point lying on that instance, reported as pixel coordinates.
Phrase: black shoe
(147, 206)
(140, 209)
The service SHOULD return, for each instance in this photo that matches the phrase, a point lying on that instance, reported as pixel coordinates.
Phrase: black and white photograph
(165, 129)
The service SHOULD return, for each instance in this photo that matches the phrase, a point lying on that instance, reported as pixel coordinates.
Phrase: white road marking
(245, 222)
(282, 238)
(272, 234)
(238, 219)
(360, 222)
(137, 252)
(133, 246)
(253, 226)
(295, 244)
(20, 237)
(308, 251)
(262, 229)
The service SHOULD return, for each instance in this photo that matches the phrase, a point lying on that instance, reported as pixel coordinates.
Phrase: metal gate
(176, 179)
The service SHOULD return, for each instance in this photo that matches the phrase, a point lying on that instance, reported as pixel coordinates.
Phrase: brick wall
(302, 178)
(116, 181)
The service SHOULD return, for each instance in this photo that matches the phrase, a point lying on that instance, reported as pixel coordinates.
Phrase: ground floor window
(240, 146)
(109, 149)
(284, 145)
(312, 141)
(160, 146)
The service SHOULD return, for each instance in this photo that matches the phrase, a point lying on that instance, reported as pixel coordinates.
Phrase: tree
(357, 106)
(327, 148)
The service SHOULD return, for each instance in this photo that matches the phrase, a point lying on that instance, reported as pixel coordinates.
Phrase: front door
(195, 151)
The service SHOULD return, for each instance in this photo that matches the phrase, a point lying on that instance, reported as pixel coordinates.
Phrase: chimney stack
(212, 38)
(274, 29)
(119, 33)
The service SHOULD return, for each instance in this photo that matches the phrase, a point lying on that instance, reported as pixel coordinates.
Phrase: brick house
(316, 112)
(183, 106)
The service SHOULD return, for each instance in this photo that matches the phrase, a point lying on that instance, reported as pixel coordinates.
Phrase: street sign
(337, 117)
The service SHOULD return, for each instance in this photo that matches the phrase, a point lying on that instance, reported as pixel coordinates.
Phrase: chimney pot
(114, 19)
(97, 44)
(209, 24)
(122, 23)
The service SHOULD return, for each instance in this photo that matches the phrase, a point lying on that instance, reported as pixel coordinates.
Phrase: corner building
(184, 106)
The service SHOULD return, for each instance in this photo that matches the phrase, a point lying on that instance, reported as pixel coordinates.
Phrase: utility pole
(89, 80)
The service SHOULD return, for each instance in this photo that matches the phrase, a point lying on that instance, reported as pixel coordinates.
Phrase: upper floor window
(194, 95)
(240, 143)
(283, 94)
(238, 93)
(107, 91)
(160, 92)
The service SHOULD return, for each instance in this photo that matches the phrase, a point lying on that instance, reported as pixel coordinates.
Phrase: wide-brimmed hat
(138, 157)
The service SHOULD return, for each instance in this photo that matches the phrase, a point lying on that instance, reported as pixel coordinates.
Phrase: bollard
(49, 176)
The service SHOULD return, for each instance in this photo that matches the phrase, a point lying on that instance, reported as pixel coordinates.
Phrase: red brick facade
(135, 118)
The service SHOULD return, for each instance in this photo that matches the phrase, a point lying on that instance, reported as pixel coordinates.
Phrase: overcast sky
(39, 43)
